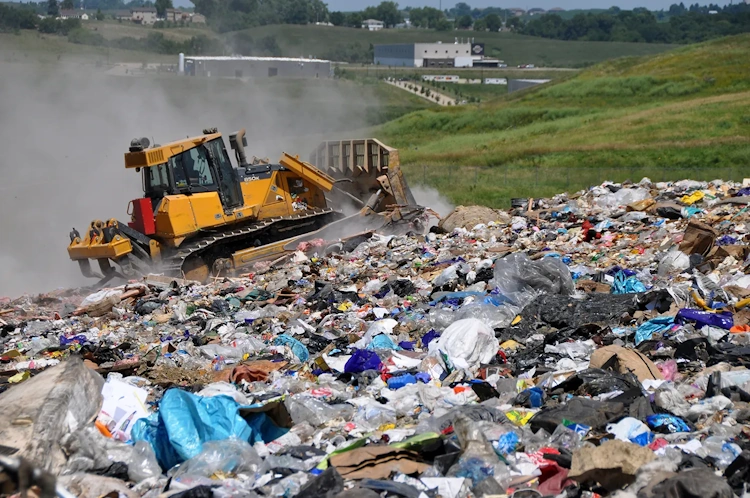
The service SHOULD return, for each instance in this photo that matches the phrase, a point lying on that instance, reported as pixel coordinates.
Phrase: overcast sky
(349, 5)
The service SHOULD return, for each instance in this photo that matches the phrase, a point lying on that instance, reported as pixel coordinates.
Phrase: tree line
(683, 25)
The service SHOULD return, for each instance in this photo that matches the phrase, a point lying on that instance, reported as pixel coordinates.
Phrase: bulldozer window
(158, 179)
(191, 171)
(196, 167)
(228, 182)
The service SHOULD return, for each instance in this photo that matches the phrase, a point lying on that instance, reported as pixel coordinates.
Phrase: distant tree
(48, 25)
(162, 6)
(677, 10)
(67, 5)
(426, 17)
(99, 15)
(514, 22)
(464, 22)
(296, 12)
(493, 22)
(52, 8)
(461, 9)
(354, 20)
(444, 25)
(480, 25)
(388, 13)
(337, 18)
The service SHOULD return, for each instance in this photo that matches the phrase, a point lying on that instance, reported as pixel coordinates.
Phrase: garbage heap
(585, 345)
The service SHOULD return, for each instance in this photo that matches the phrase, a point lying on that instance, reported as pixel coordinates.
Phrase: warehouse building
(254, 67)
(435, 55)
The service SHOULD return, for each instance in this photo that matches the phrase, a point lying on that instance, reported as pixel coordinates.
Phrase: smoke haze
(65, 129)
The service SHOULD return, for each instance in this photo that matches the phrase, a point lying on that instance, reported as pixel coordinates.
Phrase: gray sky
(348, 5)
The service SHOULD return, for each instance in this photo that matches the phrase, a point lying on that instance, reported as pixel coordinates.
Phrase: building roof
(144, 9)
(370, 21)
(249, 58)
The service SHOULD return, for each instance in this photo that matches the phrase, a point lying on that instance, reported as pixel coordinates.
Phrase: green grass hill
(683, 113)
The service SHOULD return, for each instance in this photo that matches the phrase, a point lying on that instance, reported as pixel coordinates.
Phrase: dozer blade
(362, 167)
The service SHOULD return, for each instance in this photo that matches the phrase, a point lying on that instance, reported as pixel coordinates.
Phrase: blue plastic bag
(721, 320)
(382, 341)
(429, 337)
(627, 285)
(299, 349)
(651, 327)
(671, 423)
(185, 421)
(401, 381)
(362, 360)
(506, 443)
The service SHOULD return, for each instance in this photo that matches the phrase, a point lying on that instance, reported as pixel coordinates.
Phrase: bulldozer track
(173, 265)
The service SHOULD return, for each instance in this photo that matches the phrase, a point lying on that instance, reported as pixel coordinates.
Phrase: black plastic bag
(595, 414)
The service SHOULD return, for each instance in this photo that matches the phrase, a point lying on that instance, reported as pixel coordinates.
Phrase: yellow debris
(692, 198)
(19, 377)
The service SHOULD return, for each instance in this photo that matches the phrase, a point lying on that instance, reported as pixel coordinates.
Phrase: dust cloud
(65, 127)
(431, 198)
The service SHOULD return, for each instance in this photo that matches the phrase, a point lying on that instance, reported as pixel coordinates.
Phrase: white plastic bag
(675, 261)
(468, 343)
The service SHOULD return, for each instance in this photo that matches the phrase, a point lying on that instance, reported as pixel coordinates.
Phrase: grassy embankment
(684, 113)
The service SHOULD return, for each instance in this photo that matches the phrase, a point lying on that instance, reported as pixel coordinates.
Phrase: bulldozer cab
(203, 168)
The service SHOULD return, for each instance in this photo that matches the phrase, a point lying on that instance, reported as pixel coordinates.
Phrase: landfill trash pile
(585, 345)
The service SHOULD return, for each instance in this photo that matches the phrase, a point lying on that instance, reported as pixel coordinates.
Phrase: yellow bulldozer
(201, 215)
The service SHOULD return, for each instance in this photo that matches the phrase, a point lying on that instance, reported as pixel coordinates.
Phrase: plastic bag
(478, 460)
(314, 411)
(720, 320)
(632, 430)
(468, 343)
(627, 285)
(670, 399)
(299, 349)
(622, 197)
(224, 389)
(668, 369)
(721, 451)
(186, 421)
(377, 328)
(142, 463)
(647, 329)
(448, 275)
(231, 456)
(520, 280)
(667, 423)
(494, 316)
(362, 360)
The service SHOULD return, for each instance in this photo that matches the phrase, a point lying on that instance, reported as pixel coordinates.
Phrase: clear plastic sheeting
(623, 197)
(520, 279)
(230, 457)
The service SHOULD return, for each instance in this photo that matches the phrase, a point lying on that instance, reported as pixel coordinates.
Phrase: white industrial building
(437, 55)
(254, 67)
(460, 53)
